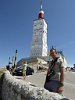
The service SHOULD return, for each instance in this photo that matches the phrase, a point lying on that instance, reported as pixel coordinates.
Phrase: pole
(15, 59)
(41, 4)
(9, 61)
(12, 60)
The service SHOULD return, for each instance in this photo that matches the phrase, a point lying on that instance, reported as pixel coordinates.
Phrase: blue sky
(16, 27)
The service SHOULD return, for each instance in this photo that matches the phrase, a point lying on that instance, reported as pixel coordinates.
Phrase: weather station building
(39, 48)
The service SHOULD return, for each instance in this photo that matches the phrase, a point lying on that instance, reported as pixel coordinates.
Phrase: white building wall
(39, 40)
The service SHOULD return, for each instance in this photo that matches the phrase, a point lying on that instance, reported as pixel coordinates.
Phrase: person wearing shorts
(24, 65)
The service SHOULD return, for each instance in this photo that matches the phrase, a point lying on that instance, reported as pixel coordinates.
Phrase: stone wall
(1, 81)
(16, 89)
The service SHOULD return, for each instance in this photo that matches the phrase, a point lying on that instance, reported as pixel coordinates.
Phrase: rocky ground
(38, 79)
(1, 73)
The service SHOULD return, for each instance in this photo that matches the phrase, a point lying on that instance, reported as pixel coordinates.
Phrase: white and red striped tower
(39, 39)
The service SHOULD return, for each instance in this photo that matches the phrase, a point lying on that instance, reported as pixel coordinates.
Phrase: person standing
(55, 74)
(24, 65)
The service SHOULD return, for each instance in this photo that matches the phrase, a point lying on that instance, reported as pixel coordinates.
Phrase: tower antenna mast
(40, 4)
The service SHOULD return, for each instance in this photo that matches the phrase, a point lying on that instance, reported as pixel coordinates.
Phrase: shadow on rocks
(1, 82)
(65, 99)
